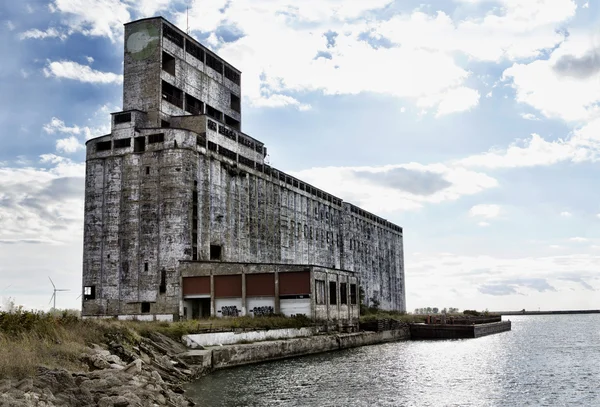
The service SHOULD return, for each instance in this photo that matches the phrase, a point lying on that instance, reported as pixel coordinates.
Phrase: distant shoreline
(584, 311)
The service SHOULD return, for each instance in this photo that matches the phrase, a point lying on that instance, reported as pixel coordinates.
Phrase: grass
(373, 314)
(58, 339)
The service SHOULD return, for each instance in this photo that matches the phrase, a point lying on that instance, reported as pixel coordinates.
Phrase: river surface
(546, 360)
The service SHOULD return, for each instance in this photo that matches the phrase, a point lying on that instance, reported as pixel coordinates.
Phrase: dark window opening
(122, 118)
(194, 253)
(343, 293)
(212, 146)
(168, 63)
(214, 113)
(173, 35)
(227, 132)
(122, 143)
(332, 293)
(103, 146)
(214, 63)
(145, 307)
(235, 103)
(89, 292)
(145, 266)
(156, 138)
(320, 292)
(194, 50)
(147, 170)
(246, 161)
(195, 224)
(230, 121)
(165, 124)
(215, 252)
(227, 153)
(163, 282)
(172, 95)
(139, 144)
(353, 298)
(201, 140)
(193, 105)
(232, 75)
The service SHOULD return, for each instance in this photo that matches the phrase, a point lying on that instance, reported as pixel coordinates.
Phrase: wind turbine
(54, 293)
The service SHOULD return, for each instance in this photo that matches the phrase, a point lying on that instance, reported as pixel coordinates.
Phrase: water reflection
(544, 360)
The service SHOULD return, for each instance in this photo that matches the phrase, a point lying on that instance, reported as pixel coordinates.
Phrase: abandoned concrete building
(184, 219)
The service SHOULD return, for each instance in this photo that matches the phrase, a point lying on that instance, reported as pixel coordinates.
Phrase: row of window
(374, 218)
(320, 298)
(319, 235)
(201, 54)
(177, 97)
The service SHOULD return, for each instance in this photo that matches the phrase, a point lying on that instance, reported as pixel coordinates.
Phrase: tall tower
(181, 211)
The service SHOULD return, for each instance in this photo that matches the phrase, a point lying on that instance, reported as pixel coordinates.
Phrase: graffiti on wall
(230, 311)
(262, 311)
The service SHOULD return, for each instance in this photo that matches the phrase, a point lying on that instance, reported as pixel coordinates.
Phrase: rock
(113, 359)
(116, 367)
(157, 377)
(25, 385)
(134, 367)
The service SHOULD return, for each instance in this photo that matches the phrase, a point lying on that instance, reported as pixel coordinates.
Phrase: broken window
(353, 298)
(193, 105)
(194, 50)
(215, 252)
(212, 146)
(343, 293)
(246, 161)
(163, 282)
(214, 63)
(230, 121)
(145, 266)
(232, 75)
(156, 138)
(332, 293)
(122, 143)
(235, 103)
(173, 35)
(165, 124)
(139, 144)
(320, 292)
(201, 140)
(214, 113)
(227, 153)
(103, 146)
(122, 118)
(147, 170)
(89, 292)
(172, 95)
(145, 307)
(168, 63)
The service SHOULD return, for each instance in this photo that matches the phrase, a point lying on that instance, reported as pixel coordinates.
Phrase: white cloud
(529, 116)
(280, 101)
(566, 214)
(483, 224)
(93, 17)
(56, 125)
(89, 59)
(578, 239)
(83, 73)
(38, 34)
(582, 145)
(564, 86)
(69, 145)
(148, 8)
(485, 211)
(397, 187)
(10, 25)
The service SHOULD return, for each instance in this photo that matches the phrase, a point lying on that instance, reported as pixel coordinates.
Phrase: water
(549, 360)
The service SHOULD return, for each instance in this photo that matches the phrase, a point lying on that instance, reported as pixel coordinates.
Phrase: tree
(435, 310)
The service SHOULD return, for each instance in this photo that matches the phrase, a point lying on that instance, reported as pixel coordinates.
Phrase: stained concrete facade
(177, 182)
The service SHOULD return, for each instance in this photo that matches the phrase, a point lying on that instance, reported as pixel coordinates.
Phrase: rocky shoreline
(148, 373)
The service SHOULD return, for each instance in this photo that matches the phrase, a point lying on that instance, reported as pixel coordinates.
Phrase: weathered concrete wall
(235, 355)
(228, 338)
(141, 219)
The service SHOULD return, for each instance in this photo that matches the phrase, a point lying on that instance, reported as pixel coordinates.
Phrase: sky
(473, 124)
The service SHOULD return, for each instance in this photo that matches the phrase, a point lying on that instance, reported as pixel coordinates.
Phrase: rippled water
(543, 361)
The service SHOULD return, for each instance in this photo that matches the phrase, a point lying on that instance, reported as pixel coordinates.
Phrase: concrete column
(277, 305)
(213, 311)
(243, 293)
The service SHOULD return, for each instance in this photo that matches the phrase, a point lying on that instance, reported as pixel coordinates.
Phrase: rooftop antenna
(54, 293)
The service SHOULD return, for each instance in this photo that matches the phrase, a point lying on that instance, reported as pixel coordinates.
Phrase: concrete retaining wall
(229, 338)
(236, 355)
